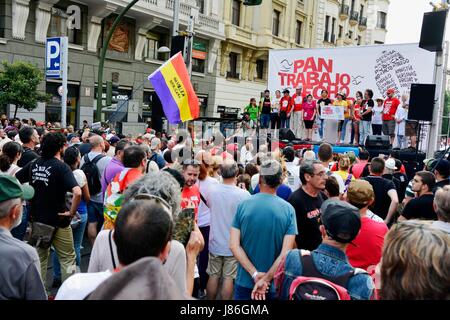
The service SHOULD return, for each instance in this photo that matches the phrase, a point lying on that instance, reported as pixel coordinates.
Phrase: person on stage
(390, 107)
(400, 121)
(323, 101)
(377, 117)
(366, 116)
(275, 122)
(265, 107)
(342, 126)
(252, 109)
(285, 109)
(410, 125)
(309, 115)
(297, 113)
(356, 118)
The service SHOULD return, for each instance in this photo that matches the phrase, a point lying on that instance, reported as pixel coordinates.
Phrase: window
(341, 31)
(59, 28)
(276, 23)
(359, 40)
(233, 66)
(361, 11)
(298, 32)
(350, 34)
(155, 40)
(236, 13)
(198, 65)
(381, 23)
(327, 32)
(352, 7)
(333, 31)
(199, 55)
(260, 69)
(201, 6)
(2, 18)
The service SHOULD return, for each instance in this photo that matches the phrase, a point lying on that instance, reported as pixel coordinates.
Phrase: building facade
(131, 56)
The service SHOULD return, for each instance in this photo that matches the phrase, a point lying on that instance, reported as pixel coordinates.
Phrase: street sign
(53, 58)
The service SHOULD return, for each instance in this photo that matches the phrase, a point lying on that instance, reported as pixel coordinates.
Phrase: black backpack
(92, 173)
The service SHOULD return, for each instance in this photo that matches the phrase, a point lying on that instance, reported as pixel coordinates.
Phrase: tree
(445, 118)
(18, 85)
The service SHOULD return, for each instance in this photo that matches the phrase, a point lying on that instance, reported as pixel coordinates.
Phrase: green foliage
(18, 85)
(445, 119)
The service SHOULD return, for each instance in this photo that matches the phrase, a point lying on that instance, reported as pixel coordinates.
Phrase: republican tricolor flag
(174, 89)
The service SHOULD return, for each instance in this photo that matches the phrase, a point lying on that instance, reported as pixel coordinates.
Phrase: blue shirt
(283, 191)
(263, 220)
(329, 261)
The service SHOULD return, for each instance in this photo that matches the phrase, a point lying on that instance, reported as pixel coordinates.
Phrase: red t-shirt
(357, 112)
(191, 195)
(298, 102)
(286, 104)
(390, 108)
(365, 251)
(358, 168)
(308, 110)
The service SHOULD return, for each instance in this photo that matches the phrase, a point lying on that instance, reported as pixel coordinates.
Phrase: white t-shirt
(13, 169)
(377, 115)
(293, 179)
(254, 181)
(400, 114)
(80, 285)
(223, 201)
(80, 177)
(246, 156)
(203, 210)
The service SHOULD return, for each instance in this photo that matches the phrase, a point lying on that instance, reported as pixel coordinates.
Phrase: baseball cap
(390, 90)
(341, 220)
(443, 166)
(390, 164)
(155, 143)
(360, 192)
(428, 163)
(114, 139)
(12, 189)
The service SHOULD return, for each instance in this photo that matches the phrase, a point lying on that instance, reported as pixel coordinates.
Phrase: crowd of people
(364, 114)
(172, 216)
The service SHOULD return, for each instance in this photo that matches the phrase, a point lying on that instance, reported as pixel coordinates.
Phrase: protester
(442, 173)
(51, 180)
(416, 263)
(367, 107)
(156, 155)
(223, 200)
(116, 164)
(307, 202)
(293, 179)
(386, 198)
(332, 188)
(265, 108)
(322, 102)
(390, 167)
(421, 207)
(30, 139)
(253, 110)
(357, 169)
(403, 178)
(246, 155)
(400, 121)
(262, 214)
(309, 115)
(356, 118)
(297, 113)
(342, 126)
(367, 247)
(341, 224)
(93, 165)
(20, 268)
(275, 121)
(285, 109)
(390, 108)
(343, 168)
(11, 153)
(441, 206)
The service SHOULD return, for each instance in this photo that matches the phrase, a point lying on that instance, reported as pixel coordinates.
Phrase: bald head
(97, 142)
(229, 169)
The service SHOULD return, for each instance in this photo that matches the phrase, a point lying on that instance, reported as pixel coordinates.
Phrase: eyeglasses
(320, 174)
(148, 196)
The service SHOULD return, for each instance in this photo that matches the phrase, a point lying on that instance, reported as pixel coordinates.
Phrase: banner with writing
(332, 113)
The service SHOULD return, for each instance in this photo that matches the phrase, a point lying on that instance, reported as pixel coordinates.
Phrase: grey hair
(442, 202)
(6, 206)
(229, 169)
(270, 173)
(160, 184)
(307, 167)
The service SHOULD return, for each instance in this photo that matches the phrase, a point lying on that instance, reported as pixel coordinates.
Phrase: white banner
(351, 69)
(332, 113)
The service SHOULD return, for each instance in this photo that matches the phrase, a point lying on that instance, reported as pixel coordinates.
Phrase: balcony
(344, 12)
(233, 75)
(362, 26)
(354, 18)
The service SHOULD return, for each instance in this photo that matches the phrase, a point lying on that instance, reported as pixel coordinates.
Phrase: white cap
(155, 143)
(390, 164)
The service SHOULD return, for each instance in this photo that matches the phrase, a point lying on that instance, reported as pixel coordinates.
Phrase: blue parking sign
(53, 58)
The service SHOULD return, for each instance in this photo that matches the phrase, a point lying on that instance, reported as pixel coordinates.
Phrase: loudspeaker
(177, 45)
(377, 142)
(287, 134)
(432, 34)
(421, 102)
(157, 113)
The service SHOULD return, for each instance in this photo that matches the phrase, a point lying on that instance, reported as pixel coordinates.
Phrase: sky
(404, 20)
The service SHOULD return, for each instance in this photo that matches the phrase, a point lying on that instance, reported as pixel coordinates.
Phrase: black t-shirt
(326, 102)
(420, 208)
(266, 106)
(366, 104)
(403, 178)
(381, 186)
(441, 184)
(51, 180)
(28, 155)
(307, 211)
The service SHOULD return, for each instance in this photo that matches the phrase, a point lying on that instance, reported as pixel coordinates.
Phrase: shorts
(411, 128)
(222, 267)
(389, 128)
(95, 212)
(308, 124)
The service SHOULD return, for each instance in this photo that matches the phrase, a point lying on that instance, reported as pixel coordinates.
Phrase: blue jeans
(20, 231)
(78, 233)
(343, 127)
(285, 123)
(364, 131)
(242, 293)
(265, 121)
(321, 127)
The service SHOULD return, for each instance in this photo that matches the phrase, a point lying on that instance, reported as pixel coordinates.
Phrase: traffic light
(252, 2)
(112, 91)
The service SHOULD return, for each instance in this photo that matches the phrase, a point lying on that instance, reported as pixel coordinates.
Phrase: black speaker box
(432, 34)
(421, 102)
(377, 142)
(287, 134)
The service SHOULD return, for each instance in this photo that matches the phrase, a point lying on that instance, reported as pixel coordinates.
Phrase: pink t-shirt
(365, 251)
(308, 110)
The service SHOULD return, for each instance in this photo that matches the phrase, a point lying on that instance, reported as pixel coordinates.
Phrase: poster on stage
(332, 113)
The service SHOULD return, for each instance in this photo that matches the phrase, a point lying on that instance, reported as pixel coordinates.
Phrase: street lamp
(163, 49)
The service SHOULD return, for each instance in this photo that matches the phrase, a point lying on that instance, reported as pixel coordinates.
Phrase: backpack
(92, 173)
(313, 285)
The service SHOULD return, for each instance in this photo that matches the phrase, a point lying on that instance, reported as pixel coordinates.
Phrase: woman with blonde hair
(344, 164)
(416, 263)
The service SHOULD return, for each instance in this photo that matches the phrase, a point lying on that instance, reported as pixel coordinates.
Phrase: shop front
(53, 108)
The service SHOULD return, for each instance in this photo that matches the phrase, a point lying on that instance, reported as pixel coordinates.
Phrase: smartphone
(184, 225)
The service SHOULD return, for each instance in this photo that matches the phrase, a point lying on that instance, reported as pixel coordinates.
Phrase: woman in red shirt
(356, 117)
(309, 115)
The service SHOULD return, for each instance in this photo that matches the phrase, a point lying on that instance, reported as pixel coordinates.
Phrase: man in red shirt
(190, 196)
(365, 253)
(297, 112)
(285, 109)
(390, 108)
